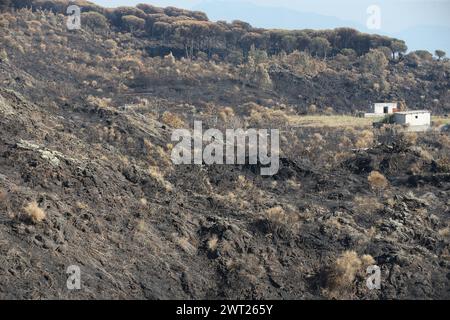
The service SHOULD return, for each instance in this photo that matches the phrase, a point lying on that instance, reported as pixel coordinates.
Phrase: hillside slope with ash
(86, 178)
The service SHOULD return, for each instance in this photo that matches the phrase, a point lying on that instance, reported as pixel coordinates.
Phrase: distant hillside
(420, 37)
(340, 68)
(192, 31)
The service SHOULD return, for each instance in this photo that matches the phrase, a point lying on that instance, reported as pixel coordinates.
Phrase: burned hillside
(86, 178)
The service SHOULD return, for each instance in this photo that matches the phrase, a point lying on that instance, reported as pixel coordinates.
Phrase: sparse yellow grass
(186, 245)
(440, 120)
(331, 121)
(35, 213)
(172, 120)
(156, 174)
(279, 215)
(367, 204)
(336, 121)
(365, 139)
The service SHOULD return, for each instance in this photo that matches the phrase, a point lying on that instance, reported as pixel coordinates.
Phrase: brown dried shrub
(34, 213)
(365, 139)
(172, 120)
(377, 181)
(343, 271)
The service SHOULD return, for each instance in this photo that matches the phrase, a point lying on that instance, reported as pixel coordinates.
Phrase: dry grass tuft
(415, 168)
(279, 216)
(276, 214)
(34, 213)
(213, 242)
(377, 181)
(81, 205)
(367, 204)
(410, 138)
(156, 174)
(365, 139)
(425, 155)
(312, 109)
(344, 270)
(3, 55)
(444, 164)
(444, 232)
(172, 120)
(3, 195)
(186, 245)
(226, 114)
(367, 260)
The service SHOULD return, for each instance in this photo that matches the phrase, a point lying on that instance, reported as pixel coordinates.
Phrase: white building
(385, 108)
(416, 120)
(380, 109)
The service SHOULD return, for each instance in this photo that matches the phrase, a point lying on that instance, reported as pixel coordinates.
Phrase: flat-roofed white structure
(417, 119)
(380, 109)
(385, 107)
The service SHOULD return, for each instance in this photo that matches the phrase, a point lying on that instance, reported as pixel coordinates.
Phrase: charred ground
(85, 124)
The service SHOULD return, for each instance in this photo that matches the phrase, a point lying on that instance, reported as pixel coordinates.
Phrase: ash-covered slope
(85, 125)
(198, 232)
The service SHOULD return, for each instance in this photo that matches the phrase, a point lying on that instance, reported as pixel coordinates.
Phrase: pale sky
(398, 14)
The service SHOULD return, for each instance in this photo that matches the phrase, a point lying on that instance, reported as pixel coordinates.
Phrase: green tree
(412, 60)
(259, 56)
(251, 39)
(398, 47)
(4, 4)
(385, 50)
(256, 74)
(348, 52)
(424, 55)
(440, 54)
(94, 20)
(375, 61)
(320, 47)
(149, 9)
(262, 77)
(133, 23)
(303, 41)
(21, 3)
(288, 43)
(162, 30)
(235, 57)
